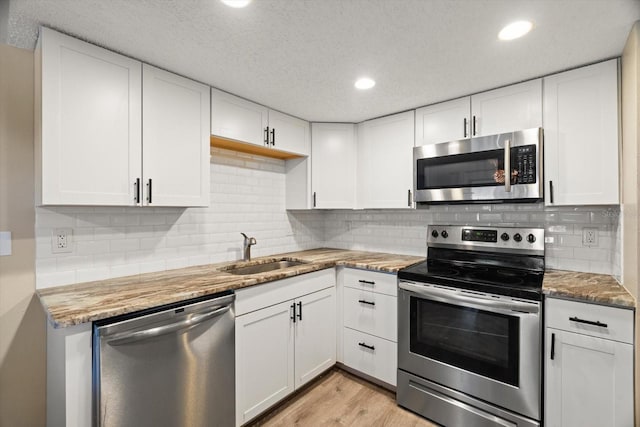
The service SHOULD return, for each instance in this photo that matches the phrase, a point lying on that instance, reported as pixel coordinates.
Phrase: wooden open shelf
(230, 144)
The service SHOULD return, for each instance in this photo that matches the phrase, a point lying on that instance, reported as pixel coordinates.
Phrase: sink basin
(264, 267)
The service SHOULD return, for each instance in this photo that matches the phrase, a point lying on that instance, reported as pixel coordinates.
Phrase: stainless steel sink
(263, 267)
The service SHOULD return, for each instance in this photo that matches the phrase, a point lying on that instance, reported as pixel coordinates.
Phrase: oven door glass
(478, 341)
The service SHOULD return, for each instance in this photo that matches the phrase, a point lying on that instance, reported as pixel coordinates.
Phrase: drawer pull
(361, 301)
(553, 346)
(370, 347)
(588, 322)
(367, 282)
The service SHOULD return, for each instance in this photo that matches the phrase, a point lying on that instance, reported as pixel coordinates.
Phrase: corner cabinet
(92, 116)
(385, 156)
(333, 159)
(237, 120)
(285, 336)
(507, 109)
(581, 136)
(588, 365)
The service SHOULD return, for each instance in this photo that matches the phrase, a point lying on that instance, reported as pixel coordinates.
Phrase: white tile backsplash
(248, 195)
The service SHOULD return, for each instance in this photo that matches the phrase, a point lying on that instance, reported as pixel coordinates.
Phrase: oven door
(474, 169)
(486, 346)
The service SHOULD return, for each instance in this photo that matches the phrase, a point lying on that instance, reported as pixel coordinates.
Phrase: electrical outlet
(589, 236)
(61, 240)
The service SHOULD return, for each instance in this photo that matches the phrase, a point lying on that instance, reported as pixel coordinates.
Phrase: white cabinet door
(264, 359)
(237, 118)
(175, 140)
(581, 136)
(507, 109)
(385, 158)
(315, 332)
(589, 381)
(444, 122)
(289, 133)
(88, 133)
(333, 159)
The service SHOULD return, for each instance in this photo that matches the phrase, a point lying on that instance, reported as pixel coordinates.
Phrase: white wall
(248, 195)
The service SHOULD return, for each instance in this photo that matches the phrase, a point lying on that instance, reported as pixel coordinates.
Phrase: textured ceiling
(302, 56)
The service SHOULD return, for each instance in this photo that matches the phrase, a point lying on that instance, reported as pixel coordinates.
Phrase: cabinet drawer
(618, 321)
(379, 360)
(384, 283)
(370, 312)
(267, 294)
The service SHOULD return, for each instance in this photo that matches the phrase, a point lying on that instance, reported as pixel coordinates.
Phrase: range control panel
(509, 239)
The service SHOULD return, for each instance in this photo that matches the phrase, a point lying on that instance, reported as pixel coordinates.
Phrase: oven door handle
(454, 297)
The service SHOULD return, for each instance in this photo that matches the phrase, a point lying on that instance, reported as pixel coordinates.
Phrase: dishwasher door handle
(130, 337)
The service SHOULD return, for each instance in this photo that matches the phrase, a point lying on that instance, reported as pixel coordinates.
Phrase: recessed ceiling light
(364, 83)
(236, 3)
(515, 30)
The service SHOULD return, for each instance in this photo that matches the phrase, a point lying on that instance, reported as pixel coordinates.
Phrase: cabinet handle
(137, 184)
(273, 137)
(464, 126)
(300, 310)
(266, 135)
(293, 316)
(370, 347)
(551, 191)
(409, 197)
(314, 199)
(588, 322)
(553, 346)
(367, 282)
(361, 301)
(473, 132)
(149, 193)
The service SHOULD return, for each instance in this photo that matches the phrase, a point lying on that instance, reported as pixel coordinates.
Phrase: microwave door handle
(507, 166)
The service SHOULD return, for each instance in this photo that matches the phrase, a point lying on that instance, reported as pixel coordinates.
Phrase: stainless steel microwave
(490, 169)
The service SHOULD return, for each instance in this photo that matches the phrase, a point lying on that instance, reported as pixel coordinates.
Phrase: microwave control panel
(524, 161)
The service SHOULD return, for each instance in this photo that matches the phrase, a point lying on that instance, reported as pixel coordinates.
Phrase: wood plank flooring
(341, 399)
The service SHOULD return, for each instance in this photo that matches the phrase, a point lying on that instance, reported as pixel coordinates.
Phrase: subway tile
(92, 274)
(48, 280)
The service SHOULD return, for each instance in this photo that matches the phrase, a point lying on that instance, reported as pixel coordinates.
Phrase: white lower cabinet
(280, 346)
(589, 377)
(369, 323)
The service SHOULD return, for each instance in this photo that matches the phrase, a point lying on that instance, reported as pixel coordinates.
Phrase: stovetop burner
(487, 265)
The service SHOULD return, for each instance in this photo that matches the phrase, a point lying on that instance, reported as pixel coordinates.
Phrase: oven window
(475, 340)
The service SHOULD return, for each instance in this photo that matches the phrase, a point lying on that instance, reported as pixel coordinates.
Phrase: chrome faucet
(246, 247)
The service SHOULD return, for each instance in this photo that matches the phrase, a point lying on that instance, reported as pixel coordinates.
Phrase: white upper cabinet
(447, 121)
(333, 160)
(507, 109)
(289, 133)
(237, 118)
(89, 132)
(88, 129)
(581, 136)
(175, 140)
(244, 121)
(385, 158)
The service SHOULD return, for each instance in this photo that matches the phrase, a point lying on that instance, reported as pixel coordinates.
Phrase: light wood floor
(341, 399)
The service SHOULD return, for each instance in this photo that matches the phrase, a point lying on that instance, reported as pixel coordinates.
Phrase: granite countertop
(588, 287)
(86, 302)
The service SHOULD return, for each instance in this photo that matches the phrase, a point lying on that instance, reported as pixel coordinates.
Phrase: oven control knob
(504, 236)
(434, 233)
(517, 237)
(531, 238)
(444, 234)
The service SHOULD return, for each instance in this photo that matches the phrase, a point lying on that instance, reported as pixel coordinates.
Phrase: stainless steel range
(469, 327)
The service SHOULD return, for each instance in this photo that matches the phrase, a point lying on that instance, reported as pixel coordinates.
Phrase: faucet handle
(252, 241)
(245, 236)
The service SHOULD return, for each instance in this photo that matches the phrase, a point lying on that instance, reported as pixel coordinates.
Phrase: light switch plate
(5, 243)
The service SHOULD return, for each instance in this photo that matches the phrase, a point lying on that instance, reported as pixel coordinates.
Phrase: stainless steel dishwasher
(173, 366)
